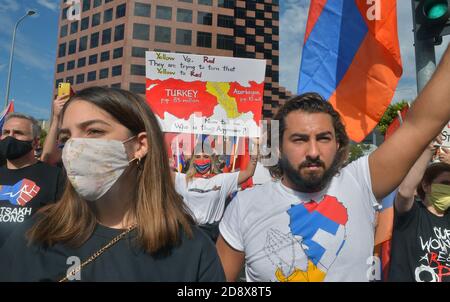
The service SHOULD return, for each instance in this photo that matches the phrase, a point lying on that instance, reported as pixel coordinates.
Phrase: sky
(36, 39)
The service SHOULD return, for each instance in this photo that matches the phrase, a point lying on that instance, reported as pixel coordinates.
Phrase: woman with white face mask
(421, 235)
(120, 218)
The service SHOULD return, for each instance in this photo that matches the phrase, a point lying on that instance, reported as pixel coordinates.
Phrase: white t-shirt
(206, 197)
(291, 236)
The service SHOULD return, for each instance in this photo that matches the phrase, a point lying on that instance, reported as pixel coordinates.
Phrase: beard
(309, 182)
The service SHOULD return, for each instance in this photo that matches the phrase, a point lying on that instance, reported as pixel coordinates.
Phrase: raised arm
(405, 196)
(430, 112)
(251, 167)
(50, 152)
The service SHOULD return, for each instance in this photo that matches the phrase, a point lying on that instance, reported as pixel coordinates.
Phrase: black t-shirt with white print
(420, 246)
(193, 260)
(23, 191)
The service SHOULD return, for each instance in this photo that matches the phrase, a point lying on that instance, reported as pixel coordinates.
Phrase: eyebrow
(85, 124)
(306, 136)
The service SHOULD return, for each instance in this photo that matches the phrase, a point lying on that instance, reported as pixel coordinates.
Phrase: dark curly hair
(311, 102)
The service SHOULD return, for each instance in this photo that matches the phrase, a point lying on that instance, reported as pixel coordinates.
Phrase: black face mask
(12, 148)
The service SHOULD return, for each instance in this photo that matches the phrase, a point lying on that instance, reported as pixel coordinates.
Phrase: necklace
(97, 253)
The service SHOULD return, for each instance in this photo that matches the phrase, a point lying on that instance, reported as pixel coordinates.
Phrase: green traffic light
(437, 11)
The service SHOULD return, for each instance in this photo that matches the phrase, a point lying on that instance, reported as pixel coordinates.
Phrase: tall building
(106, 46)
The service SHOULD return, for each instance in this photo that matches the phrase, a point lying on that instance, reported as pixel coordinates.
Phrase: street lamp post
(29, 13)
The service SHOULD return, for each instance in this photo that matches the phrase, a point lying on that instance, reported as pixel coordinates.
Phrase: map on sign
(205, 94)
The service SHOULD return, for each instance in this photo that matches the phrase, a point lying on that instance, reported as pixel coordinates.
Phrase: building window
(204, 39)
(73, 27)
(72, 47)
(225, 21)
(86, 5)
(93, 59)
(184, 15)
(119, 32)
(94, 40)
(91, 76)
(107, 15)
(60, 68)
(141, 31)
(61, 50)
(96, 19)
(97, 3)
(81, 62)
(104, 56)
(117, 53)
(184, 36)
(205, 2)
(138, 52)
(58, 81)
(137, 70)
(63, 31)
(142, 9)
(83, 43)
(226, 3)
(204, 18)
(138, 88)
(116, 70)
(162, 34)
(103, 73)
(164, 12)
(106, 36)
(225, 42)
(84, 23)
(187, 1)
(115, 85)
(71, 65)
(107, 1)
(80, 78)
(121, 11)
(69, 80)
(64, 13)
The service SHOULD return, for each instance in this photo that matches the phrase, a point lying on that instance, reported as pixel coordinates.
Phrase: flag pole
(234, 153)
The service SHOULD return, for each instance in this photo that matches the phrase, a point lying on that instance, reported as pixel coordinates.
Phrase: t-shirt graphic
(21, 193)
(435, 259)
(319, 229)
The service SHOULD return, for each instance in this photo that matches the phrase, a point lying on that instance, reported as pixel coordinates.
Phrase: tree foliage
(389, 115)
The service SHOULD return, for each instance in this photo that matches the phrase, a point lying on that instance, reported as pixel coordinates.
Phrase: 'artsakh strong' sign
(205, 94)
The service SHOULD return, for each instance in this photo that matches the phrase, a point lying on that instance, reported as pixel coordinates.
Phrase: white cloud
(50, 4)
(9, 6)
(292, 29)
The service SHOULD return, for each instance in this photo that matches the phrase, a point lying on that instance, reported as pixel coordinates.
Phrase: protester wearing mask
(26, 184)
(120, 218)
(205, 189)
(421, 232)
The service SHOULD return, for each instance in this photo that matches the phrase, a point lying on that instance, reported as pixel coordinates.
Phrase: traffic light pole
(425, 62)
(425, 56)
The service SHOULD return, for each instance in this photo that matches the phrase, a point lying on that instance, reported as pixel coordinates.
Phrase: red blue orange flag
(351, 56)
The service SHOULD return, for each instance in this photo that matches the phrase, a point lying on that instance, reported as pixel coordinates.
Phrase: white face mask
(94, 165)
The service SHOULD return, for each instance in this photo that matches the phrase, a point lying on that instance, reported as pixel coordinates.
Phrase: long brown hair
(159, 210)
(311, 103)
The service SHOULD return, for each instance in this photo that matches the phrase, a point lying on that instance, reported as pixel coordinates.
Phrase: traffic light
(431, 19)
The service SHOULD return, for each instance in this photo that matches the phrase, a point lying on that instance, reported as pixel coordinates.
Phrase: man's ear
(141, 148)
